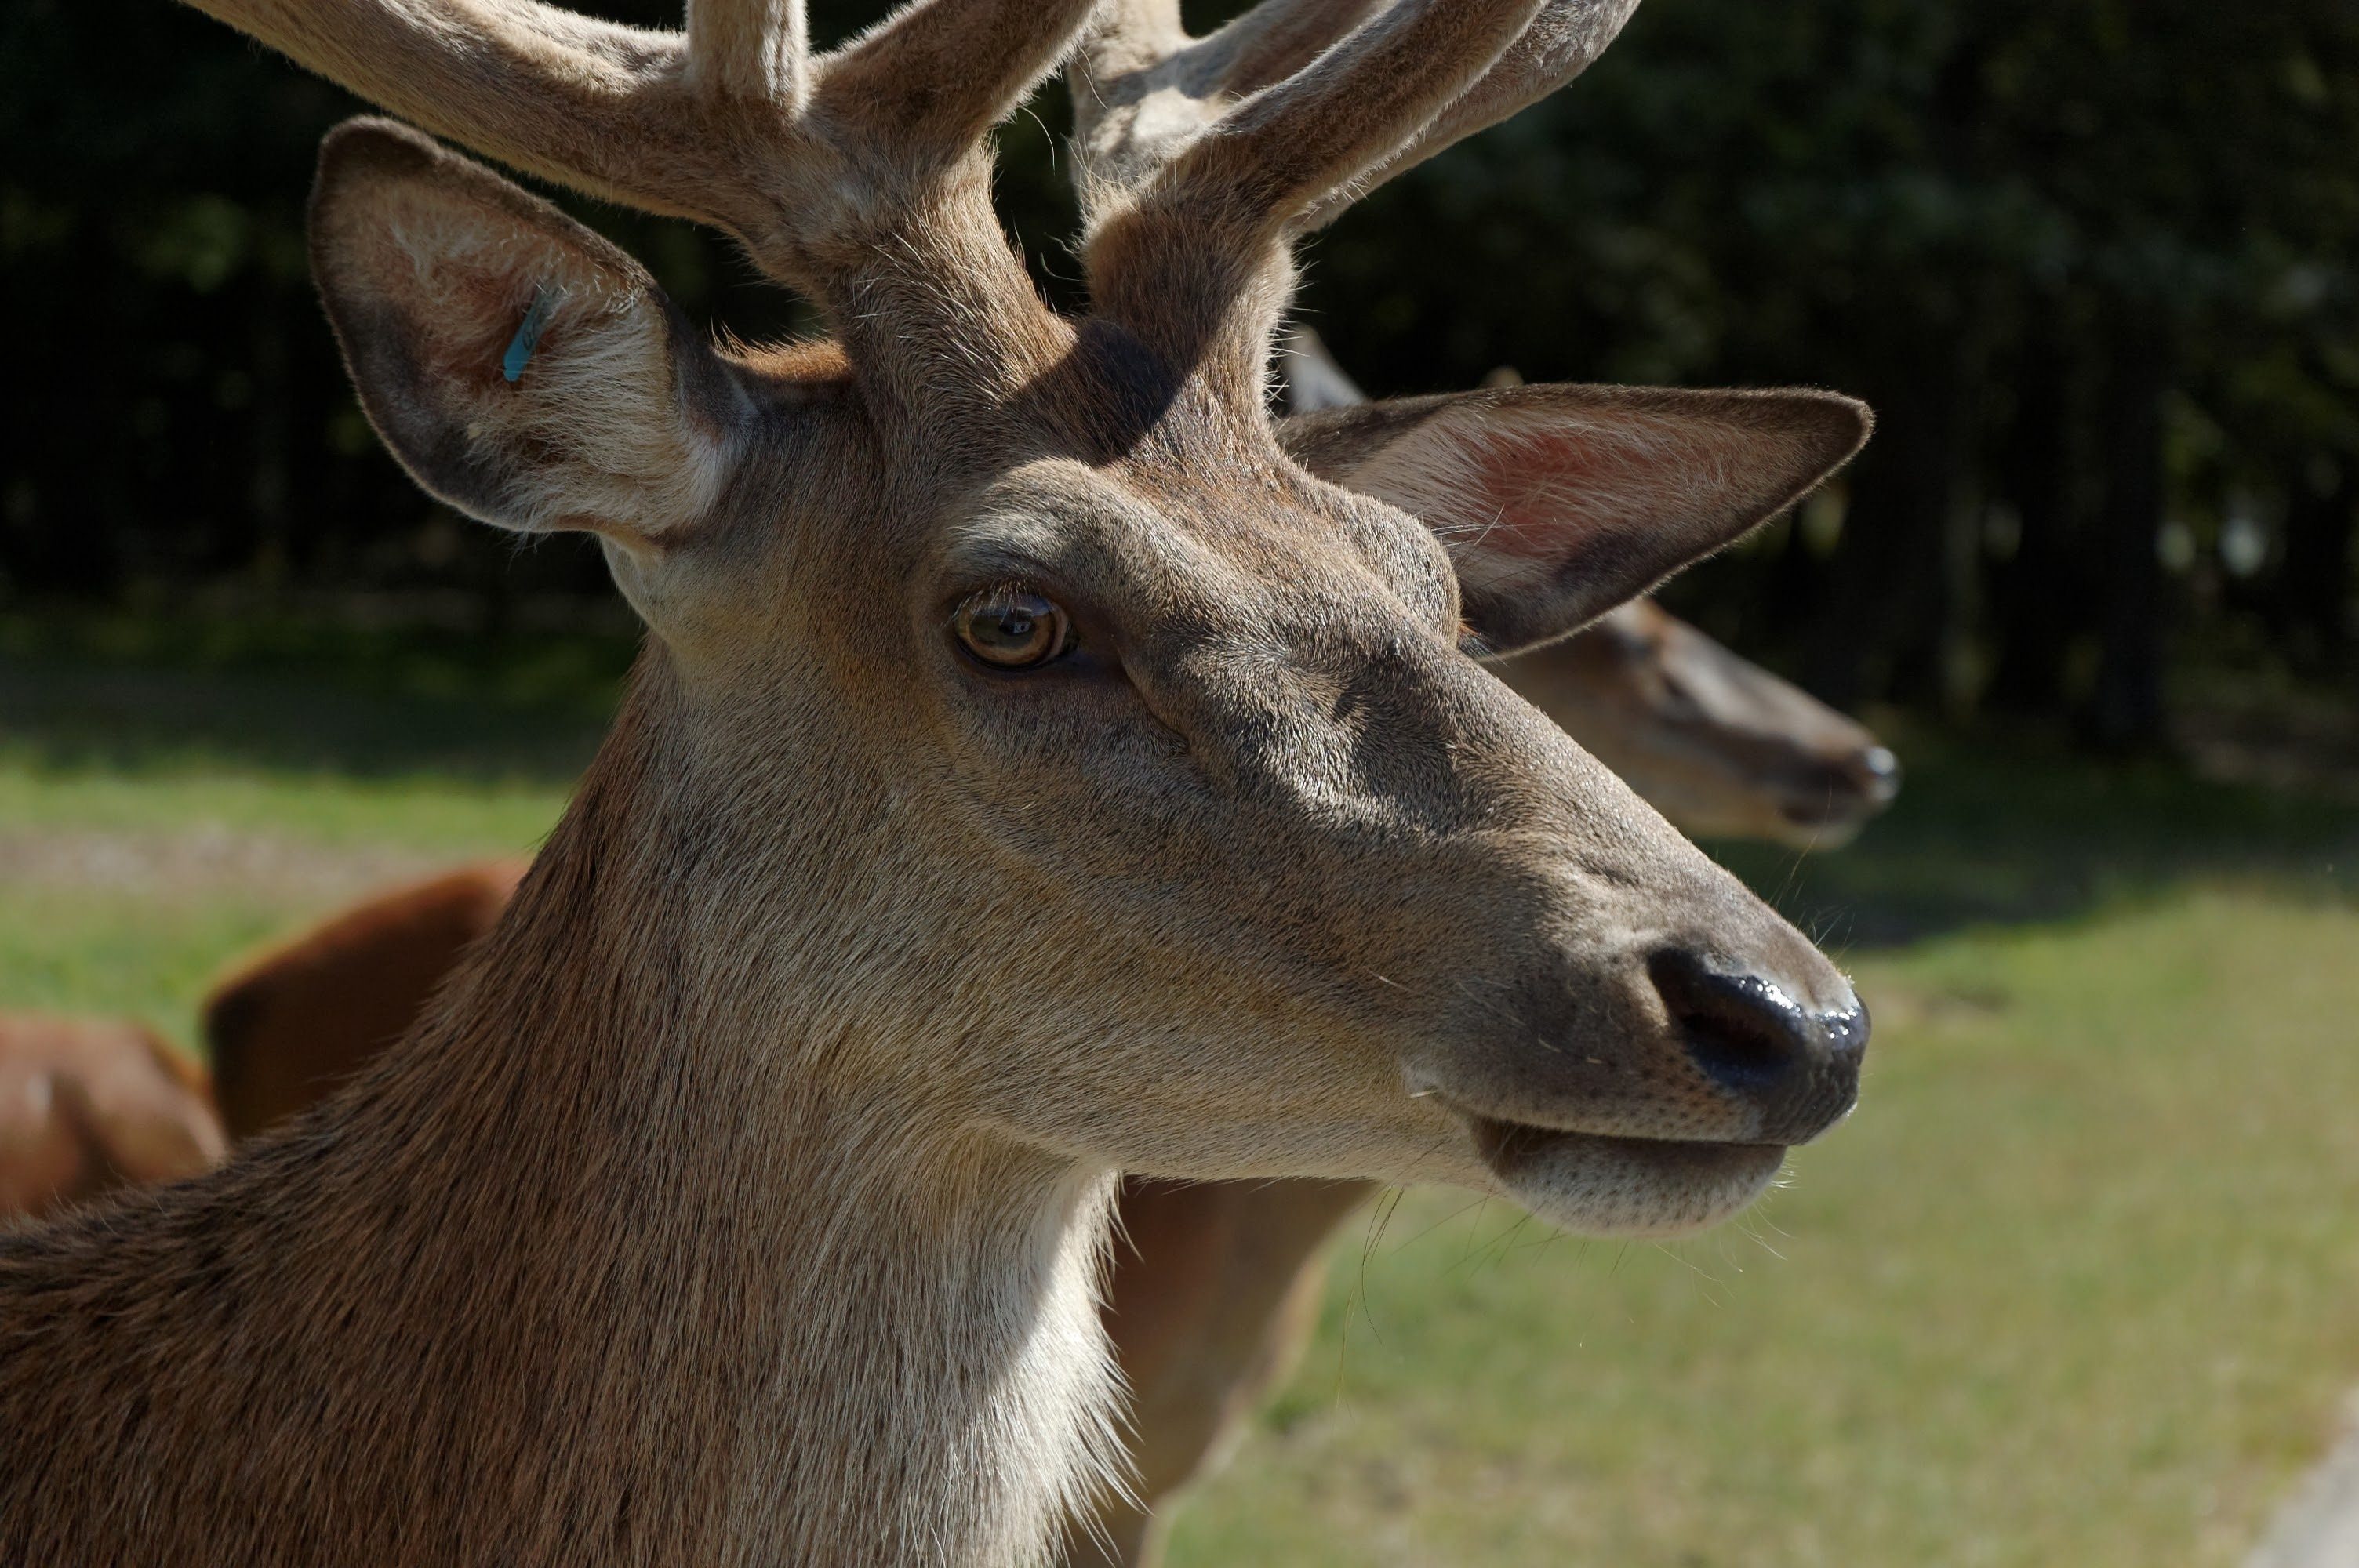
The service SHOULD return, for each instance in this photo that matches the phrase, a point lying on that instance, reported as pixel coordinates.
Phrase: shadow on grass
(2007, 827)
(148, 695)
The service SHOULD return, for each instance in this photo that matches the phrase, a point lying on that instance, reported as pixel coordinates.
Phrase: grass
(320, 756)
(2076, 1285)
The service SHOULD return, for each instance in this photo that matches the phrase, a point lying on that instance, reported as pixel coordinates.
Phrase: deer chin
(1607, 1185)
(1818, 826)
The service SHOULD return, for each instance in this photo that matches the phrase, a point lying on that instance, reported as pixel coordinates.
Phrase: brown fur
(88, 1107)
(742, 1199)
(292, 1024)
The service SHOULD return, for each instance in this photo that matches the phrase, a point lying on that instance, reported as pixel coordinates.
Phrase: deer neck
(623, 1279)
(897, 1314)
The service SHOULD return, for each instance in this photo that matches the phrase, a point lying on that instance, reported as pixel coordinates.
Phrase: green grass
(2077, 1285)
(303, 744)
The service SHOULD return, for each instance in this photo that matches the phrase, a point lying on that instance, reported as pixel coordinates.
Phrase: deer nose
(1880, 773)
(1797, 1067)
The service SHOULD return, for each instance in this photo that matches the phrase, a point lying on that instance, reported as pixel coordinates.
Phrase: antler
(1143, 90)
(1558, 46)
(731, 120)
(1199, 159)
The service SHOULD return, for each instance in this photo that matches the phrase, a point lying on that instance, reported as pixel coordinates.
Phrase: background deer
(291, 1025)
(1715, 743)
(1033, 772)
(89, 1106)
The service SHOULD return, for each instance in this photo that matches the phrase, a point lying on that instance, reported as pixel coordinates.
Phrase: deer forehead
(1201, 547)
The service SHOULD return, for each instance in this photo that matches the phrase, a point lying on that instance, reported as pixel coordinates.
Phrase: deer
(1718, 744)
(1214, 1286)
(1032, 774)
(89, 1107)
(289, 1025)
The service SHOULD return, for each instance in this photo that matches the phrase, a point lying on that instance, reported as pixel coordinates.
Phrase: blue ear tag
(527, 336)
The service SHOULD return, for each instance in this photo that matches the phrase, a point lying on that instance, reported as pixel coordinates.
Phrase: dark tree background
(2092, 260)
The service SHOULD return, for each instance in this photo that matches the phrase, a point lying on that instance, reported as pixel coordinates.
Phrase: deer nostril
(1879, 772)
(1745, 1034)
(1798, 1069)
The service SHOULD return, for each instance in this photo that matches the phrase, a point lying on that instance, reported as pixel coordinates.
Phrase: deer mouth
(1827, 811)
(1841, 795)
(1616, 1184)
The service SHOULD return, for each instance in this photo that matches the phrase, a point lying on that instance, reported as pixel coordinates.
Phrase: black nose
(1798, 1068)
(1880, 773)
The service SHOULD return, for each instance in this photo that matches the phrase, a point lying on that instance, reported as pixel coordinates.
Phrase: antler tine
(1287, 147)
(1197, 170)
(1129, 36)
(938, 74)
(1300, 97)
(1558, 46)
(750, 48)
(1273, 40)
(1137, 49)
(1199, 160)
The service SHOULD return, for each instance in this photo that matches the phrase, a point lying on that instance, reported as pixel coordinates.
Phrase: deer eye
(1013, 629)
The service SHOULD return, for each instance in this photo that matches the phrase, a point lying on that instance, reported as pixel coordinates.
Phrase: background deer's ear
(519, 366)
(1558, 502)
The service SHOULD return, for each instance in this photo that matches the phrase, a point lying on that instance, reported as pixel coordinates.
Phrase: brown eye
(1013, 629)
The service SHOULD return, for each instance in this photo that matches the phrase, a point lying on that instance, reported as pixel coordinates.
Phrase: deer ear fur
(519, 366)
(1558, 502)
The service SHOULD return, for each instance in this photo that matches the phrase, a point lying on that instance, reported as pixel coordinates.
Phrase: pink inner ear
(1537, 490)
(1543, 487)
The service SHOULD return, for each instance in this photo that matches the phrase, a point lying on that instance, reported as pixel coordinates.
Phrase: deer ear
(519, 366)
(1558, 502)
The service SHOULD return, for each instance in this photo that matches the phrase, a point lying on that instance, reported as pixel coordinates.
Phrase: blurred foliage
(2091, 259)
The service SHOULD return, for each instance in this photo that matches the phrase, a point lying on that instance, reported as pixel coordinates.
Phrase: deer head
(1718, 743)
(1032, 741)
(1715, 741)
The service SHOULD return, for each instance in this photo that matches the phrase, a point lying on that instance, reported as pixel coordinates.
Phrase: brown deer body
(1033, 773)
(294, 1022)
(89, 1106)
